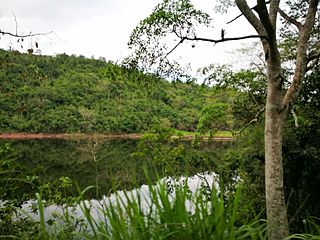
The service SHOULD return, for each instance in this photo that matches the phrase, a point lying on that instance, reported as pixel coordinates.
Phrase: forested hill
(75, 94)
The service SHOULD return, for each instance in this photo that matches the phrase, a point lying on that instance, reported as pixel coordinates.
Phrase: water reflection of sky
(97, 207)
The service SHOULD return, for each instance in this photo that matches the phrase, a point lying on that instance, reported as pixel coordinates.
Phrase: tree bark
(278, 103)
(275, 201)
(275, 117)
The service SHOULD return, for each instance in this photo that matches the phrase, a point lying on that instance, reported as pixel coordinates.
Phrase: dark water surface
(107, 163)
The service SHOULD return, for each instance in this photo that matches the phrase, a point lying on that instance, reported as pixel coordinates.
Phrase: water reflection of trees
(116, 163)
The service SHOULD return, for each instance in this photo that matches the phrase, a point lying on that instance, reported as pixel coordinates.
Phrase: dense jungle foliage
(76, 94)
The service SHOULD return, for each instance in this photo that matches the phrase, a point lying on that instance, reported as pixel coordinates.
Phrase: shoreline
(84, 136)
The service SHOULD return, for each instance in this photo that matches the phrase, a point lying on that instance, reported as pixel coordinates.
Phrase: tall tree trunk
(263, 18)
(275, 202)
(275, 116)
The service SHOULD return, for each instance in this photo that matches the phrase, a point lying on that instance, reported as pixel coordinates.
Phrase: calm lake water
(107, 163)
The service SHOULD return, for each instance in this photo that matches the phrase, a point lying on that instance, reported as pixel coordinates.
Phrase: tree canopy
(168, 20)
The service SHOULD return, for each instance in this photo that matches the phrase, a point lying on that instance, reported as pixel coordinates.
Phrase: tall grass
(168, 210)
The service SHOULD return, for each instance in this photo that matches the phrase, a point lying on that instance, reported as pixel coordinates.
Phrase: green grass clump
(162, 213)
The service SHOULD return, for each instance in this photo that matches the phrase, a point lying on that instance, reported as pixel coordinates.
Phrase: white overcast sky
(101, 28)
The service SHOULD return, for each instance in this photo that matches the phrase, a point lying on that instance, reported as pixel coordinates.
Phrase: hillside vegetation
(76, 94)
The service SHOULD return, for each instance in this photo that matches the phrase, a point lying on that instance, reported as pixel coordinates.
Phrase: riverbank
(80, 136)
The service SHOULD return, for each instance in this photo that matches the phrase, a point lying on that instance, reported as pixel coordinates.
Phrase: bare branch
(174, 48)
(15, 19)
(21, 36)
(232, 20)
(290, 19)
(260, 68)
(251, 17)
(182, 39)
(242, 14)
(224, 39)
(253, 97)
(251, 122)
(24, 35)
